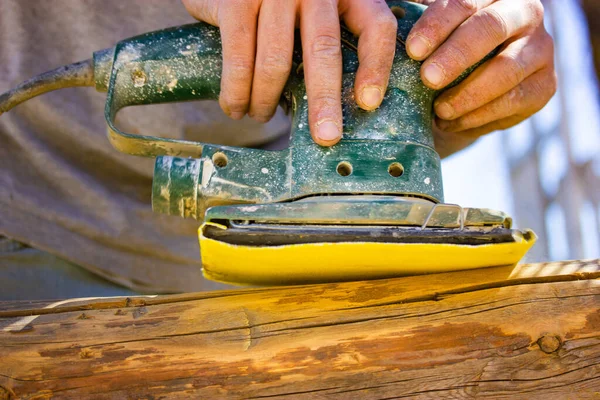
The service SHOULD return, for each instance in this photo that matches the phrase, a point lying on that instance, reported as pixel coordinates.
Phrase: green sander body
(381, 183)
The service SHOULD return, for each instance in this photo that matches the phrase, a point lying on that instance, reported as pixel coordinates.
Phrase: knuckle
(465, 100)
(540, 91)
(235, 101)
(465, 6)
(538, 88)
(326, 46)
(386, 32)
(548, 46)
(387, 22)
(494, 26)
(514, 70)
(276, 65)
(327, 97)
(240, 68)
(374, 65)
(513, 99)
(536, 9)
(548, 85)
(458, 56)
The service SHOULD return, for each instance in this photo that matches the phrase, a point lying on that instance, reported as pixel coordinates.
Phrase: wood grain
(532, 332)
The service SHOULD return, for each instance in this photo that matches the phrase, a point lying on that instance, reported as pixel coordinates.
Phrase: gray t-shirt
(63, 188)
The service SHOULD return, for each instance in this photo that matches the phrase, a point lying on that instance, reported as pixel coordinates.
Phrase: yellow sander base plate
(349, 261)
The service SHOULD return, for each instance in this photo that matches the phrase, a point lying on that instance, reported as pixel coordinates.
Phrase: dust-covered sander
(369, 207)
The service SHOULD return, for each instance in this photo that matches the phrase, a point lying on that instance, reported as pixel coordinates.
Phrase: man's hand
(258, 40)
(453, 35)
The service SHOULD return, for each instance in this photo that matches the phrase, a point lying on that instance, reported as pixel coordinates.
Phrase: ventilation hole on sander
(344, 168)
(396, 169)
(220, 160)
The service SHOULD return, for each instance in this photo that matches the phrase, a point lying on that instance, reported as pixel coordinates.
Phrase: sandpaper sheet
(333, 262)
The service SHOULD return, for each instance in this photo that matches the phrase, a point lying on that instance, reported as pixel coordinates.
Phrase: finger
(320, 31)
(519, 60)
(477, 37)
(437, 23)
(237, 20)
(524, 100)
(203, 10)
(448, 143)
(376, 26)
(273, 57)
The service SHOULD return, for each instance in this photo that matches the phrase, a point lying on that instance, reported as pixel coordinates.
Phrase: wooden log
(532, 332)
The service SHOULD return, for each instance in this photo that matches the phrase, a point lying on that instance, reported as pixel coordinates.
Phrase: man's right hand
(258, 41)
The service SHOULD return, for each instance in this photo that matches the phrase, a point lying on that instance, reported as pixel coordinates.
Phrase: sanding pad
(301, 263)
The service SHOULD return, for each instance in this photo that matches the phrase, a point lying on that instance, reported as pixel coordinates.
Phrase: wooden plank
(533, 331)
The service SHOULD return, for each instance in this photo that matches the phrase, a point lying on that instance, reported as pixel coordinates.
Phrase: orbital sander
(371, 206)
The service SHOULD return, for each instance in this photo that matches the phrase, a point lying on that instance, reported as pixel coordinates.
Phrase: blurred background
(545, 172)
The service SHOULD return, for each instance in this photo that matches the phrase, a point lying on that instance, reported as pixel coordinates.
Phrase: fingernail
(418, 46)
(434, 74)
(371, 97)
(444, 110)
(328, 131)
(237, 115)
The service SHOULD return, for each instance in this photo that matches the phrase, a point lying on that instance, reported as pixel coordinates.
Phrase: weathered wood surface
(532, 332)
